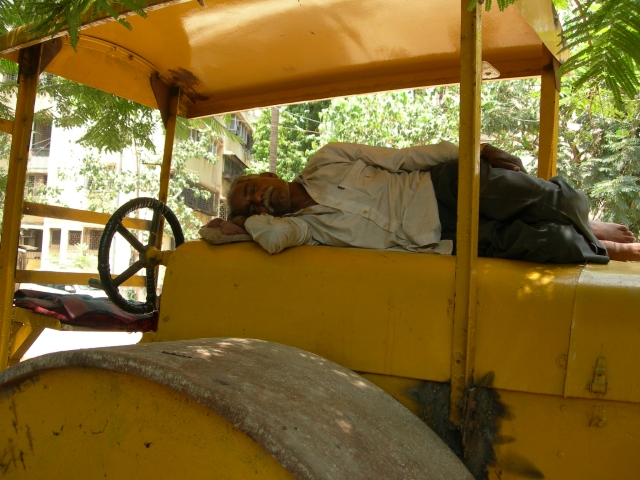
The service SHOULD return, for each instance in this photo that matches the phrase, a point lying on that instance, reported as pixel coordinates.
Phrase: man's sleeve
(275, 234)
(394, 160)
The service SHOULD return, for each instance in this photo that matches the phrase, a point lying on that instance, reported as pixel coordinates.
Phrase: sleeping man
(374, 197)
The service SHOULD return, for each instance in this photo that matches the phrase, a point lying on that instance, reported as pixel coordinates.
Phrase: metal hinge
(600, 384)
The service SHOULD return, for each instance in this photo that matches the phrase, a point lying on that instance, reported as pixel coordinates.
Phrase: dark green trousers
(522, 217)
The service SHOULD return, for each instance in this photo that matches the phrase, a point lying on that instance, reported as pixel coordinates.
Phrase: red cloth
(85, 311)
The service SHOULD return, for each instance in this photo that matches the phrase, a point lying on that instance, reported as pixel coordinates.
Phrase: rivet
(561, 361)
(165, 318)
(560, 454)
(563, 408)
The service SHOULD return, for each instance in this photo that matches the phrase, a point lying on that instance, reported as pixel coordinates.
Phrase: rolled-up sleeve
(275, 234)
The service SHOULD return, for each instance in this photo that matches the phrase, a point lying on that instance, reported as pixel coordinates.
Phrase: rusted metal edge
(318, 419)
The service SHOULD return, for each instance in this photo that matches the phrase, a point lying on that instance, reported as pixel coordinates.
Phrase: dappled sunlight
(345, 426)
(205, 353)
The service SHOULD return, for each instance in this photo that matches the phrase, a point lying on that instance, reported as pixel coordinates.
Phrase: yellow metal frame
(15, 339)
(468, 207)
(21, 137)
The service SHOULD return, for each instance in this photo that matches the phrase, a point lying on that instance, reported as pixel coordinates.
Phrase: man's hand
(228, 228)
(501, 159)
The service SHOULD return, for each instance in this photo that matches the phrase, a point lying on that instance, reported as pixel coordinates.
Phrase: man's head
(256, 194)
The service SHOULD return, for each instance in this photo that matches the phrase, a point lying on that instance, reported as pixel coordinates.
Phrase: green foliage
(111, 123)
(604, 38)
(511, 116)
(502, 4)
(397, 119)
(297, 138)
(50, 17)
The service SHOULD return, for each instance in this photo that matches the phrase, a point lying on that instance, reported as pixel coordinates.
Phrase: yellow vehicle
(523, 370)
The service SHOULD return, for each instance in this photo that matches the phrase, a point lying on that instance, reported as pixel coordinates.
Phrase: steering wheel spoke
(131, 238)
(160, 213)
(129, 272)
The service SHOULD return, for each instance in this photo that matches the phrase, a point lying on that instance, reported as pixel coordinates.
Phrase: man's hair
(237, 181)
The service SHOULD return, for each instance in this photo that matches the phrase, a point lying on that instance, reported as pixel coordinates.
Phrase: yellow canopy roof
(233, 55)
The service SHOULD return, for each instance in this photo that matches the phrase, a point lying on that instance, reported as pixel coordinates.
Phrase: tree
(273, 139)
(297, 138)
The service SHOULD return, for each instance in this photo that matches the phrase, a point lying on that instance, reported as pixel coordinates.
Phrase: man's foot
(612, 232)
(623, 252)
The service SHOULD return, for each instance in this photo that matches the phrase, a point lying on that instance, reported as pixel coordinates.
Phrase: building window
(196, 135)
(34, 183)
(92, 238)
(54, 240)
(10, 77)
(32, 238)
(232, 167)
(75, 239)
(41, 140)
(208, 206)
(232, 126)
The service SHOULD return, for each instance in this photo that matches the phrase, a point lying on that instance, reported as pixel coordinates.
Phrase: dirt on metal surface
(317, 419)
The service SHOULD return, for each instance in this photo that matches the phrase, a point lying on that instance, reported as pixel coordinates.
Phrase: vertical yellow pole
(468, 206)
(165, 169)
(19, 155)
(549, 106)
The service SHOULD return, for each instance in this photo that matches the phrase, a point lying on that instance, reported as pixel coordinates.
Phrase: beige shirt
(368, 197)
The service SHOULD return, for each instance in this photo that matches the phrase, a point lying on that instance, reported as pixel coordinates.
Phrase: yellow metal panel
(561, 438)
(524, 323)
(94, 423)
(357, 48)
(69, 278)
(606, 324)
(464, 317)
(348, 305)
(6, 126)
(542, 436)
(63, 213)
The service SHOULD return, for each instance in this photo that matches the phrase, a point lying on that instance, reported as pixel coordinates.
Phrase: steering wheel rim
(110, 285)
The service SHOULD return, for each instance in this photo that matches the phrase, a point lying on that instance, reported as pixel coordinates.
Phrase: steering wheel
(149, 256)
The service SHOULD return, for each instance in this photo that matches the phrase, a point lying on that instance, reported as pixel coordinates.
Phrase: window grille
(74, 238)
(208, 206)
(94, 238)
(41, 140)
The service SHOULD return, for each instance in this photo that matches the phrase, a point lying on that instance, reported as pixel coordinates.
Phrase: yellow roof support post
(165, 170)
(21, 138)
(549, 106)
(468, 206)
